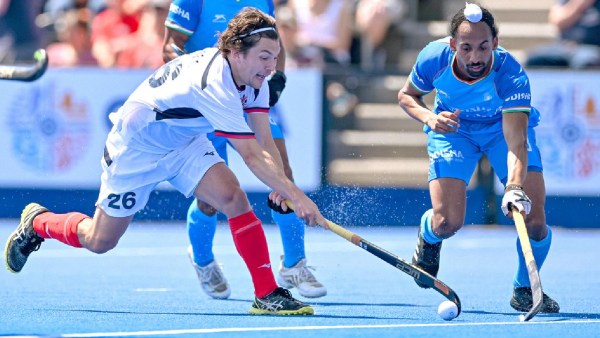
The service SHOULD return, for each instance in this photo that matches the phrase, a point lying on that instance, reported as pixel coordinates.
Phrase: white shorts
(129, 174)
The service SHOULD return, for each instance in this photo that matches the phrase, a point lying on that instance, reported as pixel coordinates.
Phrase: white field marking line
(300, 328)
(152, 289)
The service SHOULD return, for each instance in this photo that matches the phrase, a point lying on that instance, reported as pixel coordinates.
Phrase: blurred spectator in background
(111, 27)
(578, 22)
(73, 45)
(53, 8)
(288, 31)
(375, 20)
(54, 12)
(19, 36)
(324, 31)
(143, 48)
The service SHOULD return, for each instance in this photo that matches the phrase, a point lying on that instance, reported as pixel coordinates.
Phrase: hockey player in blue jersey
(194, 25)
(482, 106)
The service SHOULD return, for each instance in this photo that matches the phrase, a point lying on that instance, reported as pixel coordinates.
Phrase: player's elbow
(251, 159)
(405, 100)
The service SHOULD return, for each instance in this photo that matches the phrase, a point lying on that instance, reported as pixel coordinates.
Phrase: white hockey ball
(447, 310)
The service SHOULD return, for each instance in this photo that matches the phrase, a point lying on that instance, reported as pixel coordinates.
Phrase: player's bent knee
(99, 246)
(536, 228)
(446, 227)
(235, 203)
(206, 208)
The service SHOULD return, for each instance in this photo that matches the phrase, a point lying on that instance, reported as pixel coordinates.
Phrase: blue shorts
(456, 155)
(220, 143)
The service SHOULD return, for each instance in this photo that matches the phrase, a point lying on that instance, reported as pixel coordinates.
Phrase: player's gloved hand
(277, 203)
(276, 86)
(514, 196)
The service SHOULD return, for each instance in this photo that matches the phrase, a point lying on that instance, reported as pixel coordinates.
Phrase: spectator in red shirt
(110, 30)
(143, 48)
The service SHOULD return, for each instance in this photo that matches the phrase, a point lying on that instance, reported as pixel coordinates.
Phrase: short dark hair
(459, 18)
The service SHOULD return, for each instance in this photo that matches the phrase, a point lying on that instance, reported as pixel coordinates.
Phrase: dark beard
(477, 74)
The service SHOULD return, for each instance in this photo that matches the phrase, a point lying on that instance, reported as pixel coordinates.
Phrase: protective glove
(276, 86)
(278, 208)
(514, 196)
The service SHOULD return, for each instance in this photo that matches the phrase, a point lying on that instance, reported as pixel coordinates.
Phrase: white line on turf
(306, 328)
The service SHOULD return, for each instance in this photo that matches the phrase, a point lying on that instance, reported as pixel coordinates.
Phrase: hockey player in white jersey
(159, 134)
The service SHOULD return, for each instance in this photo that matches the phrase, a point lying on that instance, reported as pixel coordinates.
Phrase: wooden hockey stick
(532, 270)
(26, 72)
(412, 270)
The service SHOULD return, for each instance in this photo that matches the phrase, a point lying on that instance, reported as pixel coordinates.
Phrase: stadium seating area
(376, 143)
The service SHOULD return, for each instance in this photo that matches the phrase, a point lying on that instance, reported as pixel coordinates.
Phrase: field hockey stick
(532, 271)
(26, 72)
(412, 270)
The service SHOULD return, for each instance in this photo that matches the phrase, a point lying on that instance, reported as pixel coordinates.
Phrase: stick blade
(532, 270)
(536, 293)
(26, 72)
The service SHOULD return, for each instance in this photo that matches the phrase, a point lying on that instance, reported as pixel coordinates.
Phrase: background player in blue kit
(193, 25)
(482, 106)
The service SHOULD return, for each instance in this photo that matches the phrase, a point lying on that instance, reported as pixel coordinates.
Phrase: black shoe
(427, 257)
(280, 302)
(24, 240)
(522, 301)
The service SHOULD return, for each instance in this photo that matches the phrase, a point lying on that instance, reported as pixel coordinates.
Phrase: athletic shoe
(211, 278)
(300, 277)
(522, 301)
(427, 257)
(280, 302)
(24, 240)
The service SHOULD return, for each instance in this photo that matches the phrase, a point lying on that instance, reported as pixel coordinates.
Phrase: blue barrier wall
(343, 205)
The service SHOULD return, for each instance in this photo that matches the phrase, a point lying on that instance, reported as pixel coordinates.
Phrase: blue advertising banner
(52, 131)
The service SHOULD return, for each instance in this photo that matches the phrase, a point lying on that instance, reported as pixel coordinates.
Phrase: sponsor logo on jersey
(519, 96)
(219, 18)
(211, 153)
(179, 11)
(446, 154)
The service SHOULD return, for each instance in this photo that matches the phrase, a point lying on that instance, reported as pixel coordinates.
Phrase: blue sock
(540, 251)
(201, 230)
(428, 235)
(292, 237)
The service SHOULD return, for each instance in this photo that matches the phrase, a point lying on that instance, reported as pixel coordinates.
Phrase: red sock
(251, 244)
(62, 227)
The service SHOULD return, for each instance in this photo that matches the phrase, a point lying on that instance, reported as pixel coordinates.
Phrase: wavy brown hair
(247, 20)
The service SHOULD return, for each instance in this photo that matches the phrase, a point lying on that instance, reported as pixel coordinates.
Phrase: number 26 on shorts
(126, 200)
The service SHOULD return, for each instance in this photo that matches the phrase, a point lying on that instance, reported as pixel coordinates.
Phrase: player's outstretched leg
(201, 231)
(211, 278)
(24, 240)
(522, 298)
(280, 302)
(427, 255)
(251, 243)
(293, 271)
